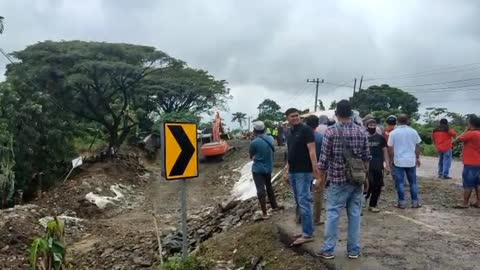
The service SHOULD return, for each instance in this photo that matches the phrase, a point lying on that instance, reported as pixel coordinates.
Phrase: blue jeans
(400, 184)
(471, 177)
(302, 189)
(339, 197)
(444, 163)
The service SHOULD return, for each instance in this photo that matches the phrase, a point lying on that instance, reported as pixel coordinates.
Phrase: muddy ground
(123, 236)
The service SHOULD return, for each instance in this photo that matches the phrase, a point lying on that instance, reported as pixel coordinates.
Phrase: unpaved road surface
(429, 168)
(437, 236)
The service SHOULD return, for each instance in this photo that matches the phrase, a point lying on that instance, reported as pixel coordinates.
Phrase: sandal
(399, 206)
(476, 205)
(298, 235)
(302, 240)
(461, 206)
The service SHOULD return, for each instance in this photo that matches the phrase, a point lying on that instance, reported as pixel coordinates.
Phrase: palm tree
(240, 118)
(2, 26)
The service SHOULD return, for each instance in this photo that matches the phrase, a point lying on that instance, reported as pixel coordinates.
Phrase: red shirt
(387, 131)
(443, 139)
(471, 147)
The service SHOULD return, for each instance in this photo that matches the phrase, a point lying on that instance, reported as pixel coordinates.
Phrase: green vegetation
(64, 98)
(48, 252)
(384, 98)
(191, 263)
(240, 118)
(382, 101)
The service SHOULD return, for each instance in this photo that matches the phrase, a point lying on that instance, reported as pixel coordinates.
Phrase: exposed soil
(255, 242)
(123, 236)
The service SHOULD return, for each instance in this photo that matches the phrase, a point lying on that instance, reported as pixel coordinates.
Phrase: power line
(439, 83)
(428, 72)
(441, 91)
(447, 87)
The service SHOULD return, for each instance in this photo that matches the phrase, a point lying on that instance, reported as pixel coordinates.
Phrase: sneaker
(325, 256)
(353, 257)
(373, 209)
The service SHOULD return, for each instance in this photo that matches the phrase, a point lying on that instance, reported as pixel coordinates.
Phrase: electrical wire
(428, 72)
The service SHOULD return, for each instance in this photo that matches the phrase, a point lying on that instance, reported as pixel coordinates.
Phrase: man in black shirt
(379, 153)
(302, 167)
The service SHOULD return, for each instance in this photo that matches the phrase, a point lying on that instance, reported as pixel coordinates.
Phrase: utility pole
(354, 85)
(317, 81)
(360, 85)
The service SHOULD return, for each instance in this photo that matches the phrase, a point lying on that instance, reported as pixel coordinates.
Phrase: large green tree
(240, 118)
(384, 98)
(180, 88)
(95, 81)
(42, 132)
(269, 110)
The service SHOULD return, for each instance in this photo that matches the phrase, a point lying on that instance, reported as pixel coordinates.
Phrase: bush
(429, 150)
(191, 263)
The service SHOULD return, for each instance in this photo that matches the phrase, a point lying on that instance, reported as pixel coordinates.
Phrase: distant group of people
(443, 137)
(348, 159)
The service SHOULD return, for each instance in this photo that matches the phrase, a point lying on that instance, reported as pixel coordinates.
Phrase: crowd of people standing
(348, 160)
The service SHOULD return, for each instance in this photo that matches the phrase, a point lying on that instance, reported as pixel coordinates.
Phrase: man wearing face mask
(379, 153)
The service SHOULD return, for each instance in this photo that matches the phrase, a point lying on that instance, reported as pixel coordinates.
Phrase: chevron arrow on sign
(186, 153)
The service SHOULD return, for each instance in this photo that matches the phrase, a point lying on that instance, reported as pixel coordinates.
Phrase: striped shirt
(331, 158)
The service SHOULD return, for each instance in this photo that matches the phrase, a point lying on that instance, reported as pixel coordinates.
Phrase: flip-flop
(461, 206)
(399, 206)
(302, 240)
(475, 205)
(298, 235)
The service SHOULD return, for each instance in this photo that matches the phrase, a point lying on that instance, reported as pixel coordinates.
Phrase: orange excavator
(217, 147)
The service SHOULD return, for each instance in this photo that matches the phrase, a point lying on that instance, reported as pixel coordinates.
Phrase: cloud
(269, 48)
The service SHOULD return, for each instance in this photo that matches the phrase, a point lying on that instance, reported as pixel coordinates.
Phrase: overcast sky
(267, 49)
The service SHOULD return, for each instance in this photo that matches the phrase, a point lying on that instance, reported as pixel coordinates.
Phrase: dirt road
(436, 236)
(429, 169)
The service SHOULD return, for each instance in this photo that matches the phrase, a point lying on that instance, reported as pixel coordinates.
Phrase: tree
(269, 110)
(321, 107)
(2, 25)
(95, 81)
(42, 132)
(384, 98)
(240, 118)
(181, 88)
(333, 105)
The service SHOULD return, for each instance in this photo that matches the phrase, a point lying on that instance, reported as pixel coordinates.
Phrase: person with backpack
(344, 159)
(261, 151)
(443, 137)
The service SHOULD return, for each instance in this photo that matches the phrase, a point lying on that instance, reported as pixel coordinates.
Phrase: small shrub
(48, 252)
(429, 150)
(191, 263)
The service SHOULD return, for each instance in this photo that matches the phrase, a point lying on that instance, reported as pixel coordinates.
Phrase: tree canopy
(239, 117)
(93, 80)
(384, 98)
(269, 110)
(181, 88)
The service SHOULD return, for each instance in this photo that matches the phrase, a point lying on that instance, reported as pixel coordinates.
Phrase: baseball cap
(258, 125)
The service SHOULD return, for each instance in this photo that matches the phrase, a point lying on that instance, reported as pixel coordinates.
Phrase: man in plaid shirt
(341, 193)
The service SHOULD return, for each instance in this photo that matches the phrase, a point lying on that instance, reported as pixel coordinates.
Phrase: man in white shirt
(404, 143)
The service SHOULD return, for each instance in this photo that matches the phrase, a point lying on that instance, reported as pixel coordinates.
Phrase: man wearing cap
(261, 151)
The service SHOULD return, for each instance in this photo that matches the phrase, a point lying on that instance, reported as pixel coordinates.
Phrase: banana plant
(48, 252)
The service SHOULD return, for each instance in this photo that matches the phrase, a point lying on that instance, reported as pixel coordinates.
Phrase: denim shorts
(471, 176)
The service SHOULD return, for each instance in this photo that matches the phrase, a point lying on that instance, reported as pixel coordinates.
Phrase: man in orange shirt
(471, 161)
(442, 138)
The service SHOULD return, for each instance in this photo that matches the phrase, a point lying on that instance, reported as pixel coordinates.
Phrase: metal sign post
(179, 162)
(183, 191)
